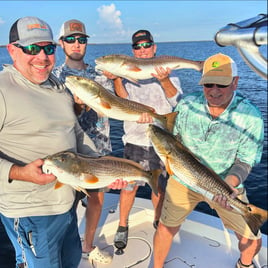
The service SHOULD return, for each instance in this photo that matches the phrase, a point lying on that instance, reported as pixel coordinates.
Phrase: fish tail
(255, 218)
(153, 182)
(200, 65)
(169, 121)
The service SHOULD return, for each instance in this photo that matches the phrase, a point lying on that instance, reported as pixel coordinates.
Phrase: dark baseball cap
(30, 30)
(142, 35)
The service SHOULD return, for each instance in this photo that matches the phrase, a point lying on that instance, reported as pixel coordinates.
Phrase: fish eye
(62, 159)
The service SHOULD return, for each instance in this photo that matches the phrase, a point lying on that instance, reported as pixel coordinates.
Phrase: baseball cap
(218, 69)
(72, 27)
(142, 35)
(30, 30)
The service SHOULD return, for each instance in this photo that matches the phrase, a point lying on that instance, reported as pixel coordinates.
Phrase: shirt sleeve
(251, 143)
(240, 170)
(177, 84)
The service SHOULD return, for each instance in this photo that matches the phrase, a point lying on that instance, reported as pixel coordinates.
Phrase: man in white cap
(73, 40)
(36, 120)
(206, 123)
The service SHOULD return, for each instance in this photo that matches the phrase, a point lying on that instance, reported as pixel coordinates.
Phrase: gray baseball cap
(30, 30)
(72, 27)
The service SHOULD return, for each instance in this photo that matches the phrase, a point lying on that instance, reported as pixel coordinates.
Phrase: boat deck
(201, 243)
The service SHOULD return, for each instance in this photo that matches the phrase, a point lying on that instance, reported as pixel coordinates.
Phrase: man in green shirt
(225, 131)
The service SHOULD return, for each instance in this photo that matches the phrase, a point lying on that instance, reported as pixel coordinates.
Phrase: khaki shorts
(180, 201)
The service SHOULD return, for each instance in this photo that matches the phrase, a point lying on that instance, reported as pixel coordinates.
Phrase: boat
(202, 242)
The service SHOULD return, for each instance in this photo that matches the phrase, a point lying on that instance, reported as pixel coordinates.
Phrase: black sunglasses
(144, 45)
(217, 85)
(35, 49)
(72, 39)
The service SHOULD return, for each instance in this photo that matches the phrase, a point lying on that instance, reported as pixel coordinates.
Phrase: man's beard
(75, 56)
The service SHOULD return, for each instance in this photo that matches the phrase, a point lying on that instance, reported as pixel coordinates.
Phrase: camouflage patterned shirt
(96, 126)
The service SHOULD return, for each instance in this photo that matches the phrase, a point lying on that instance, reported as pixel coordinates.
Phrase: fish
(83, 172)
(104, 102)
(181, 162)
(135, 69)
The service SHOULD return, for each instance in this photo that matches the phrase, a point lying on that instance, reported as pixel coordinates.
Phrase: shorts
(180, 201)
(149, 160)
(54, 239)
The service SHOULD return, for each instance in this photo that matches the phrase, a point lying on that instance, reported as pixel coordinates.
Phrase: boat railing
(247, 36)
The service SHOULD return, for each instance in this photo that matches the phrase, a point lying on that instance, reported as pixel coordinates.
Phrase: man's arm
(163, 77)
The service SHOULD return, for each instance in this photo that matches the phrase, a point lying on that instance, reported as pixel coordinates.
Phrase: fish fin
(132, 182)
(58, 185)
(82, 190)
(255, 218)
(168, 169)
(134, 68)
(89, 178)
(145, 106)
(169, 121)
(127, 161)
(135, 81)
(105, 104)
(154, 181)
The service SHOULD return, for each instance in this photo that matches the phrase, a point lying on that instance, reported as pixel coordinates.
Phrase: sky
(116, 21)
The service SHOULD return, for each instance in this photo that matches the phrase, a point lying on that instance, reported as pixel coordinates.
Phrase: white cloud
(1, 21)
(109, 19)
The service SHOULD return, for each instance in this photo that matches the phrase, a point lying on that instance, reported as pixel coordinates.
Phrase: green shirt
(237, 133)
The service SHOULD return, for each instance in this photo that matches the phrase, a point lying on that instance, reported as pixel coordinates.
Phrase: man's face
(220, 97)
(36, 68)
(144, 51)
(75, 51)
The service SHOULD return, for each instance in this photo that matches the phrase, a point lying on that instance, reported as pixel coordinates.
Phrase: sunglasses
(35, 49)
(217, 85)
(144, 45)
(72, 39)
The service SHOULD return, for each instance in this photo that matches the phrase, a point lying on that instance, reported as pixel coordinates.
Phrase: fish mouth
(99, 65)
(47, 167)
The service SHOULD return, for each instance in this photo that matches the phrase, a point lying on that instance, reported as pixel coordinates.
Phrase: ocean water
(250, 85)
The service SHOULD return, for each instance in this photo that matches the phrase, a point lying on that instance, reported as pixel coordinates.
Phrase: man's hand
(31, 172)
(118, 184)
(222, 200)
(79, 105)
(161, 73)
(77, 100)
(110, 75)
(145, 118)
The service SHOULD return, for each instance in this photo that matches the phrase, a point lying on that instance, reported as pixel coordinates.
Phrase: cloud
(1, 21)
(109, 19)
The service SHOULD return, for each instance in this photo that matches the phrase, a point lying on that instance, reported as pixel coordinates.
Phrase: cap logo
(215, 64)
(74, 26)
(37, 26)
(140, 34)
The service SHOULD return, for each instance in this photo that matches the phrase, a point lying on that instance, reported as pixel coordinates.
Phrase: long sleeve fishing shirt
(238, 133)
(35, 121)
